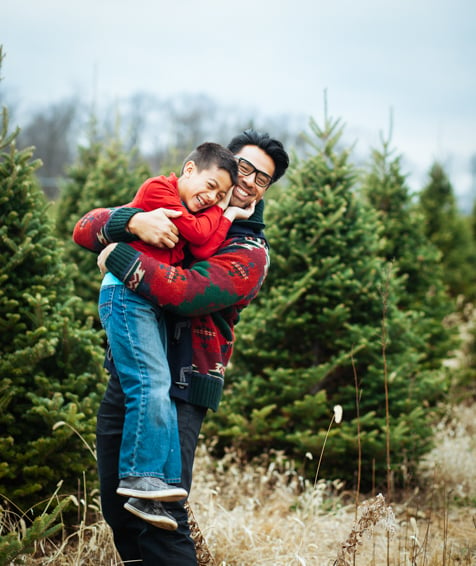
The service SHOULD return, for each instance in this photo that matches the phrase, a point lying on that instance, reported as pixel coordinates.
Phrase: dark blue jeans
(135, 539)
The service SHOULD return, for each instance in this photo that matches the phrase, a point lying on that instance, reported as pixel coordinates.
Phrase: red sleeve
(214, 241)
(194, 228)
(89, 231)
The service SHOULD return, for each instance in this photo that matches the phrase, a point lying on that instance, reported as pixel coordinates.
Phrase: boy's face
(200, 190)
(246, 190)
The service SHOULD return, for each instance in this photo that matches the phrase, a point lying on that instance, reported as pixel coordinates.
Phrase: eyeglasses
(246, 168)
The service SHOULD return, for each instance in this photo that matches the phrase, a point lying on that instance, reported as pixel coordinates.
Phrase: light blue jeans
(137, 336)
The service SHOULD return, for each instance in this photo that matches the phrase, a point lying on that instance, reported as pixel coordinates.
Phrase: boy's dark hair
(208, 154)
(272, 147)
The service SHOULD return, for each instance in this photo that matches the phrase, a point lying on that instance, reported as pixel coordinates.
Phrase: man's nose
(249, 180)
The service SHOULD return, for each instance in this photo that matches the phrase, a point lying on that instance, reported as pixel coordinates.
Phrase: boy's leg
(150, 443)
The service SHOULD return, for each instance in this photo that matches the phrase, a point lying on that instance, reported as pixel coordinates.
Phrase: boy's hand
(102, 257)
(224, 202)
(236, 213)
(155, 227)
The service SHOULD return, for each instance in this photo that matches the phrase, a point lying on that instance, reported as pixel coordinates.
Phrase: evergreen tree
(20, 540)
(416, 258)
(51, 359)
(472, 221)
(450, 233)
(104, 176)
(325, 330)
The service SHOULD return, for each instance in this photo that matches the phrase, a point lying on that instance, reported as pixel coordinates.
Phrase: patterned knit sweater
(205, 300)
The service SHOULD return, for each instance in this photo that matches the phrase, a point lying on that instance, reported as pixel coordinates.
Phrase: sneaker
(151, 511)
(150, 488)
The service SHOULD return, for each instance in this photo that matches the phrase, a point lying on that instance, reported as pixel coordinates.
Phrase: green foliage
(105, 175)
(50, 357)
(416, 258)
(327, 329)
(21, 539)
(450, 233)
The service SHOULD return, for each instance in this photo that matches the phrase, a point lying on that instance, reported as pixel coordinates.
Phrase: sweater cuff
(198, 389)
(122, 261)
(116, 227)
(206, 391)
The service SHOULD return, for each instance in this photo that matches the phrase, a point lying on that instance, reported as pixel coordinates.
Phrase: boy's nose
(212, 197)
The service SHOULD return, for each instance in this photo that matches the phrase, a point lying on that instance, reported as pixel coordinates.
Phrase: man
(210, 295)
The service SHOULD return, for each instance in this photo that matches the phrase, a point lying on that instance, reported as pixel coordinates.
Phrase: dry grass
(266, 514)
(452, 463)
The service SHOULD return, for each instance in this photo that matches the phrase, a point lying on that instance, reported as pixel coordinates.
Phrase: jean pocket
(105, 304)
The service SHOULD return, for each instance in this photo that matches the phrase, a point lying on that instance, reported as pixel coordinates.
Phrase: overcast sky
(414, 58)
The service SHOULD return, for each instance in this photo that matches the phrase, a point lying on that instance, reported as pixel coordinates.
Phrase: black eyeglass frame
(254, 170)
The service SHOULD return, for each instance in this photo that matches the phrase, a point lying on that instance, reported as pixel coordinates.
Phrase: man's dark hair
(272, 147)
(208, 154)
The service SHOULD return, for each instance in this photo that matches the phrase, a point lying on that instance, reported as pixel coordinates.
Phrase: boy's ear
(189, 167)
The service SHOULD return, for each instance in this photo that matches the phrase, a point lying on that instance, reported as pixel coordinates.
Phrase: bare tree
(163, 131)
(52, 130)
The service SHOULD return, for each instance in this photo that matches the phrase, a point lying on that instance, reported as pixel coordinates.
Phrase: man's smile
(242, 192)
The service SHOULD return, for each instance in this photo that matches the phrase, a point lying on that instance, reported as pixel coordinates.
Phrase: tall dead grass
(265, 514)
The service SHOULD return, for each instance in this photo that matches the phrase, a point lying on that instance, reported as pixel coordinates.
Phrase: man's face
(247, 190)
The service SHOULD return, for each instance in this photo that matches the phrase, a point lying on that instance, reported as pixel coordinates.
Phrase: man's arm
(233, 276)
(101, 226)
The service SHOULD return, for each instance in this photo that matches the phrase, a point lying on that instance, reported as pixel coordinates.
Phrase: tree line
(163, 129)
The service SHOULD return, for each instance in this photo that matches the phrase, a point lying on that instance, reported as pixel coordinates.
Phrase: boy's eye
(221, 196)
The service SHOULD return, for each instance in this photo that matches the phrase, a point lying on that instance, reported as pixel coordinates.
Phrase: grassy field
(266, 515)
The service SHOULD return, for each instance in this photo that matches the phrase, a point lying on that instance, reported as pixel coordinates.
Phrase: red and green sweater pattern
(212, 292)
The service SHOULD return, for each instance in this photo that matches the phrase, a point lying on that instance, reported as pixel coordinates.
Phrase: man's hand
(155, 227)
(102, 257)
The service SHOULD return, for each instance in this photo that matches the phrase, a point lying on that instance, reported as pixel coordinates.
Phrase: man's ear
(188, 168)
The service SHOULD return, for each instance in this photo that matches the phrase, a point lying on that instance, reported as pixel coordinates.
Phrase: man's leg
(176, 548)
(134, 538)
(125, 526)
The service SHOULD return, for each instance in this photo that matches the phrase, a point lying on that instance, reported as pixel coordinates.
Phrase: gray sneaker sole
(174, 494)
(159, 521)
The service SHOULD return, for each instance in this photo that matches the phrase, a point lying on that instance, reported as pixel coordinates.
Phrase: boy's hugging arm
(195, 228)
(214, 242)
(216, 239)
(198, 228)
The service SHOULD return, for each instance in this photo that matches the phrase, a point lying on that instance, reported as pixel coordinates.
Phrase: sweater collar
(254, 223)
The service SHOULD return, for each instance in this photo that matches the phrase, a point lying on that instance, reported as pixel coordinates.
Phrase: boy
(150, 450)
